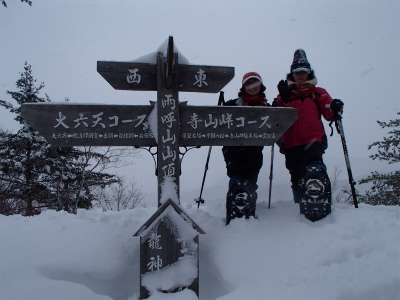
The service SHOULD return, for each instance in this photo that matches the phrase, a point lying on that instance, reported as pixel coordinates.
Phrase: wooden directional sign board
(233, 126)
(143, 76)
(66, 125)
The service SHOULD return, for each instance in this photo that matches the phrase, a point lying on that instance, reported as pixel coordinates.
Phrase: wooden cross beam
(67, 125)
(168, 125)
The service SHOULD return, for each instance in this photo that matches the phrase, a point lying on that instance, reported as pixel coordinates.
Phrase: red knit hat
(250, 75)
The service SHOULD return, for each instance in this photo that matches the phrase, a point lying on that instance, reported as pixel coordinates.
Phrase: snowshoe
(315, 192)
(240, 200)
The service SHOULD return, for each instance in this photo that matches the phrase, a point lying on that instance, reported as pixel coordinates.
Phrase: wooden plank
(161, 244)
(199, 125)
(153, 259)
(204, 79)
(233, 126)
(90, 124)
(129, 75)
(170, 62)
(143, 77)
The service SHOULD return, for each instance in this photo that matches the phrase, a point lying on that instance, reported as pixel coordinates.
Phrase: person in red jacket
(305, 141)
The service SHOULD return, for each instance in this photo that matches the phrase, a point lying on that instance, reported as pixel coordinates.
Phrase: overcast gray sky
(353, 46)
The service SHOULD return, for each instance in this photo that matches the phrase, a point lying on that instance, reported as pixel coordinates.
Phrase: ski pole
(270, 176)
(339, 127)
(199, 200)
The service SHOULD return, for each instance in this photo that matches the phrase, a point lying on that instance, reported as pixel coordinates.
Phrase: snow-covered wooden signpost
(169, 239)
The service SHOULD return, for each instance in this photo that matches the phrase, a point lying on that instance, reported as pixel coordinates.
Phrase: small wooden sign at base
(169, 252)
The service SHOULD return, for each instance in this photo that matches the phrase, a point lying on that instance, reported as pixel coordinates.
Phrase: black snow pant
(243, 162)
(297, 158)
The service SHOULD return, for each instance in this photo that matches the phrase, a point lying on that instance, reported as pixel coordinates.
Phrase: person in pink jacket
(305, 141)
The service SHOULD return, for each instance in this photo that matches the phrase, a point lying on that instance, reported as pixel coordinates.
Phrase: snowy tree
(118, 196)
(35, 175)
(71, 173)
(385, 188)
(7, 203)
(27, 1)
(22, 154)
(75, 186)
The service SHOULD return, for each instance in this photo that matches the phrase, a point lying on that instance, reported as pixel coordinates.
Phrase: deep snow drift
(351, 254)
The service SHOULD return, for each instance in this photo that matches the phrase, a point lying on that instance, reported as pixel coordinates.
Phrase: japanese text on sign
(169, 139)
(226, 120)
(155, 262)
(96, 120)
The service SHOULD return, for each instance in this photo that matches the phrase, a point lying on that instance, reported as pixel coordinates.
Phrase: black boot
(296, 194)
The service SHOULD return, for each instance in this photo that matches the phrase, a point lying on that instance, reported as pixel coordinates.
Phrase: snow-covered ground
(351, 254)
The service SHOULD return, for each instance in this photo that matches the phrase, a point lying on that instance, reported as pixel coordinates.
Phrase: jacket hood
(304, 87)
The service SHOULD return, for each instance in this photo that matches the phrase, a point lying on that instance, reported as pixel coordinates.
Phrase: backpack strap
(313, 95)
(314, 98)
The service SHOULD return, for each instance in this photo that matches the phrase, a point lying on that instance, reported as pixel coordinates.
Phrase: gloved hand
(336, 107)
(285, 91)
(275, 103)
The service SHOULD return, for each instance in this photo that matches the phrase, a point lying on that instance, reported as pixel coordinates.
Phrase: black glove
(275, 103)
(285, 91)
(336, 107)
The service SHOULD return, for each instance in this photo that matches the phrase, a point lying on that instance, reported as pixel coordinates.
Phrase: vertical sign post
(168, 127)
